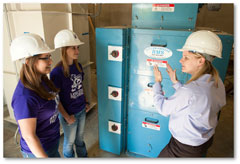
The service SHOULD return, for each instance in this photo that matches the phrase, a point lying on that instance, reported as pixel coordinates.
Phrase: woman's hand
(71, 119)
(157, 74)
(172, 74)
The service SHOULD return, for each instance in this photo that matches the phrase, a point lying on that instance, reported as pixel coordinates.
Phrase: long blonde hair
(64, 63)
(208, 68)
(29, 76)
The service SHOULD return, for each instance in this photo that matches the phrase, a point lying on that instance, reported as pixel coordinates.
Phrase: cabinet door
(111, 58)
(147, 133)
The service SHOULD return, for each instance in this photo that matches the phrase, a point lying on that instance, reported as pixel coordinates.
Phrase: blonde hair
(64, 63)
(208, 68)
(29, 76)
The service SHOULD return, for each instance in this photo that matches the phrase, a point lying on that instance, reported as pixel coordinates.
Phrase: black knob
(114, 127)
(114, 93)
(115, 53)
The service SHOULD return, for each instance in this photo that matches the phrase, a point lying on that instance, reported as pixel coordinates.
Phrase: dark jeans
(176, 149)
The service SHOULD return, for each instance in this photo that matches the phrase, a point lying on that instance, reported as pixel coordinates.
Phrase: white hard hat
(66, 38)
(204, 42)
(28, 45)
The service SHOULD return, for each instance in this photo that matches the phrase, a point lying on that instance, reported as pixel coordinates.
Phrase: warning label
(150, 126)
(159, 63)
(163, 7)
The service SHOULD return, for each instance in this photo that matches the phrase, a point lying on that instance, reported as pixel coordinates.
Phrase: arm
(69, 118)
(28, 129)
(87, 103)
(166, 106)
(54, 76)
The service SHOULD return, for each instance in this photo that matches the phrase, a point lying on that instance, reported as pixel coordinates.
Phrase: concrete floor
(223, 145)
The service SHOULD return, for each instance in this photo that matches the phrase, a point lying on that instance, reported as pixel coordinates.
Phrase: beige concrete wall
(81, 28)
(61, 7)
(55, 17)
(222, 20)
(110, 15)
(114, 15)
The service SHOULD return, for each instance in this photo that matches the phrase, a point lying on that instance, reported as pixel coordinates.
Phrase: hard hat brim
(181, 50)
(31, 55)
(46, 51)
(69, 44)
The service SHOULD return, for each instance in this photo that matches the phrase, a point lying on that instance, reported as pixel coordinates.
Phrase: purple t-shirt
(27, 104)
(71, 88)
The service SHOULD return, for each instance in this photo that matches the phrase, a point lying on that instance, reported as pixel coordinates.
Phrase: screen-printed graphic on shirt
(56, 112)
(76, 88)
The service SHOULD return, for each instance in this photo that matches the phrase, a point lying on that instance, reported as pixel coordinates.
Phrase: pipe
(58, 12)
(15, 137)
(50, 12)
(99, 11)
(10, 38)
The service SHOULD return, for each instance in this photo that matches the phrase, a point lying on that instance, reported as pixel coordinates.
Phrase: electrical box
(164, 16)
(111, 45)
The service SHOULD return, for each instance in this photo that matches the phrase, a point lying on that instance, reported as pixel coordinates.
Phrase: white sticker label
(115, 93)
(150, 126)
(158, 52)
(159, 63)
(115, 53)
(163, 7)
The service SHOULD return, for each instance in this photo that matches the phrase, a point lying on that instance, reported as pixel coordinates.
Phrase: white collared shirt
(193, 109)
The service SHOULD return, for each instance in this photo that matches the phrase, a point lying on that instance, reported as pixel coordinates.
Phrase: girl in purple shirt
(68, 77)
(35, 100)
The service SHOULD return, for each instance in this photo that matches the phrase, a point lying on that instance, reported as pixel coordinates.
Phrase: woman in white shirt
(194, 107)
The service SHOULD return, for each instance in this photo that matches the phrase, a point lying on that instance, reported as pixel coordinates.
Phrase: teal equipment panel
(164, 16)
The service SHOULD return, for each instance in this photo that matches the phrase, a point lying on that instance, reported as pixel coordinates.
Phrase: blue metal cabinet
(128, 120)
(141, 71)
(111, 55)
(164, 16)
(148, 131)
